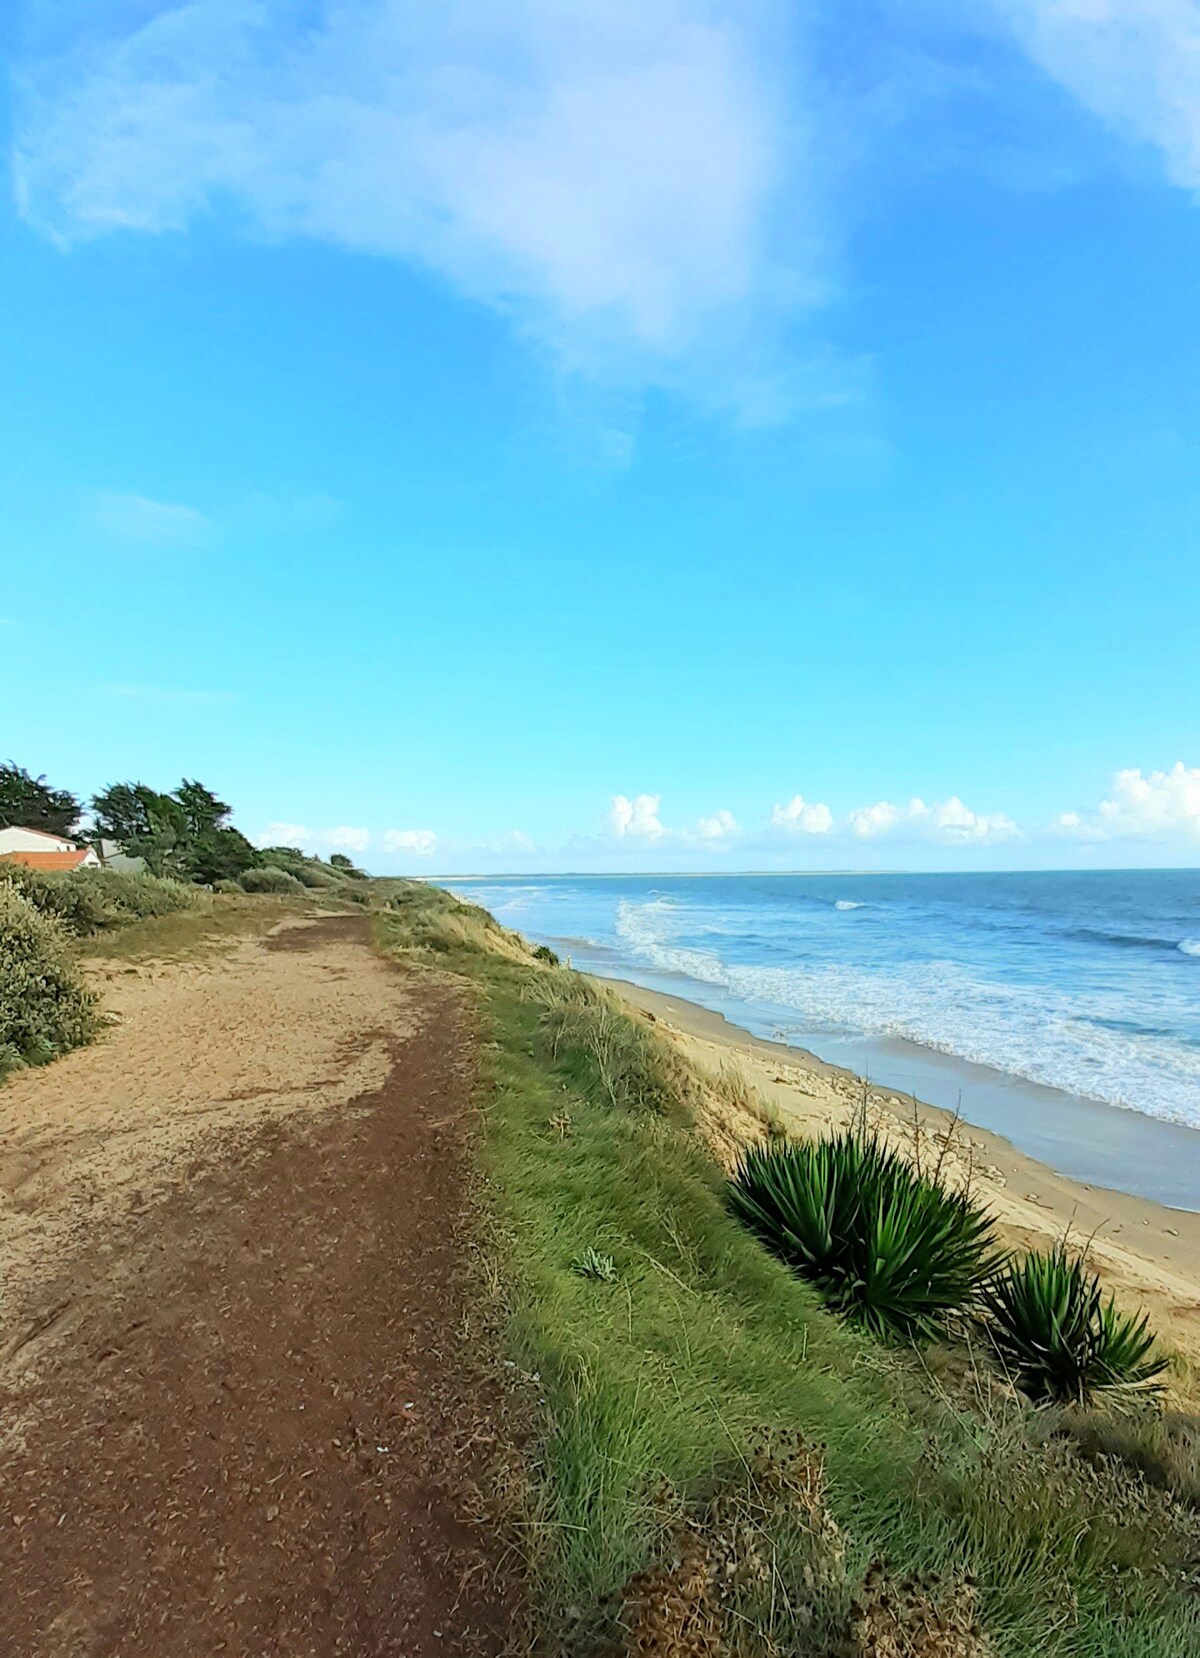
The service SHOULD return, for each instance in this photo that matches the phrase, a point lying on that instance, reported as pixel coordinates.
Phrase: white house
(37, 850)
(32, 840)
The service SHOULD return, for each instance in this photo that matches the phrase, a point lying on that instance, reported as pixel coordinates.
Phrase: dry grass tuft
(671, 1609)
(758, 1568)
(731, 1115)
(915, 1619)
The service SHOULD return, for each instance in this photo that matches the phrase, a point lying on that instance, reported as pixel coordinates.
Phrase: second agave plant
(886, 1245)
(1058, 1336)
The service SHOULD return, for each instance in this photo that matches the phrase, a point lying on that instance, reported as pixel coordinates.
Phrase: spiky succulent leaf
(884, 1244)
(1059, 1338)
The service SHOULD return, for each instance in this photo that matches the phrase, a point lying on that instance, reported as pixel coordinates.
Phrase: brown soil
(242, 1409)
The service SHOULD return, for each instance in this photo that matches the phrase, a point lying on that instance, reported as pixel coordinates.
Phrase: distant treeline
(183, 835)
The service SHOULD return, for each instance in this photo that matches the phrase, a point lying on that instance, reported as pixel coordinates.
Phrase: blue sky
(579, 435)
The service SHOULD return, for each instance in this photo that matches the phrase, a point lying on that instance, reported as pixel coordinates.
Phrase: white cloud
(420, 842)
(136, 518)
(284, 834)
(799, 816)
(341, 839)
(869, 821)
(346, 839)
(514, 840)
(721, 826)
(1156, 803)
(948, 821)
(1133, 63)
(629, 183)
(636, 818)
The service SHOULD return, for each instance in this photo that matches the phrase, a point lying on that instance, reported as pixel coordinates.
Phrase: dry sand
(1149, 1254)
(196, 1052)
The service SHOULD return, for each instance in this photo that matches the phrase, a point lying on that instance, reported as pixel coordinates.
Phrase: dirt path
(241, 1410)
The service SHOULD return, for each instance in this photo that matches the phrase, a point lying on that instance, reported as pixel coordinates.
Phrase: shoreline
(1087, 1140)
(1144, 1250)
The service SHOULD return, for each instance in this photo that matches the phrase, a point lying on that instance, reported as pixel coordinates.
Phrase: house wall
(32, 840)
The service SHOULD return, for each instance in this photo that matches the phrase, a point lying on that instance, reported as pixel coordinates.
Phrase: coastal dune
(1147, 1253)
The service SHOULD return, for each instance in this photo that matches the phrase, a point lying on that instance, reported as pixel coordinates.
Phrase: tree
(30, 803)
(201, 808)
(339, 860)
(145, 824)
(219, 854)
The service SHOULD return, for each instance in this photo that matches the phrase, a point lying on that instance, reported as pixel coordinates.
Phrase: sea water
(1003, 994)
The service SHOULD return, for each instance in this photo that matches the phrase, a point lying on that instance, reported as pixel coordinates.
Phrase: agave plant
(592, 1264)
(886, 1245)
(1059, 1338)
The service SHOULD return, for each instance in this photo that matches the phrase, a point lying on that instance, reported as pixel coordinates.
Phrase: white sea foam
(1032, 1030)
(847, 904)
(1190, 946)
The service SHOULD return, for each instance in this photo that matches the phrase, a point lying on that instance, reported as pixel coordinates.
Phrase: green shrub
(97, 900)
(886, 1245)
(310, 872)
(269, 879)
(1059, 1338)
(228, 886)
(45, 1009)
(345, 866)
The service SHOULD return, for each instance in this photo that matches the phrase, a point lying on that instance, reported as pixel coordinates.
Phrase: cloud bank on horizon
(1156, 808)
(655, 196)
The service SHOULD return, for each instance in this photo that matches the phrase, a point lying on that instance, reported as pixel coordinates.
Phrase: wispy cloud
(343, 838)
(636, 187)
(267, 514)
(137, 520)
(1133, 63)
(422, 843)
(169, 694)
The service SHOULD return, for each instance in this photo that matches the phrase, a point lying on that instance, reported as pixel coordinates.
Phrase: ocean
(1017, 998)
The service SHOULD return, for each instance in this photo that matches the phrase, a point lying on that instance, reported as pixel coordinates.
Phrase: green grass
(660, 1384)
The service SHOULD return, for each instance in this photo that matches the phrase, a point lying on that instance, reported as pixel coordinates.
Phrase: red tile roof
(46, 860)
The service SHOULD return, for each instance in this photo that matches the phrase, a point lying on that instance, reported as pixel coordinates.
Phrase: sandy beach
(1149, 1254)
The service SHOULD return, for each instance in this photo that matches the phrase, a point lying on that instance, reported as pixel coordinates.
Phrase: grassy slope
(657, 1385)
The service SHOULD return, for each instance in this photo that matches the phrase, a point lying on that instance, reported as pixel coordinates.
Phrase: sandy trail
(196, 1050)
(240, 1414)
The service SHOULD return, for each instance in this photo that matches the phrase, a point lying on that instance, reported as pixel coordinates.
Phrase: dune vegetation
(45, 1007)
(721, 1463)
